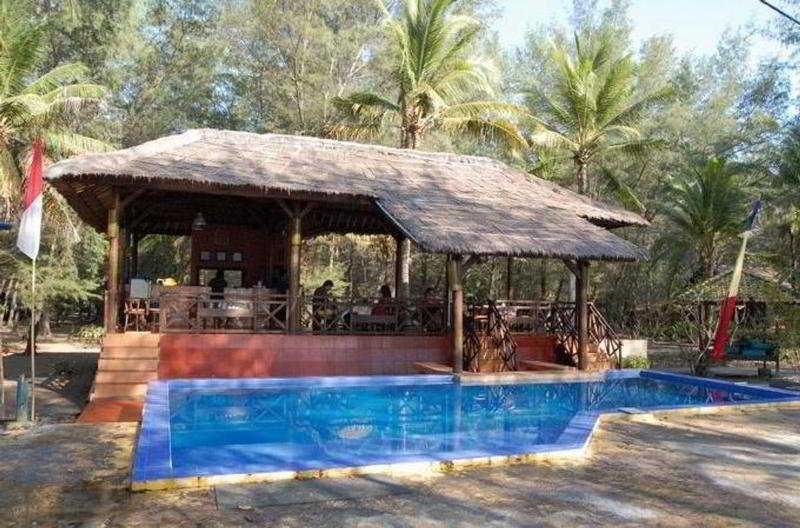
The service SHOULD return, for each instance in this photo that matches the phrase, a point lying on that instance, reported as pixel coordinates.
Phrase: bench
(433, 368)
(532, 364)
(754, 350)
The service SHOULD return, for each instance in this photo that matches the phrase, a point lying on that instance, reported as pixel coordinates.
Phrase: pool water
(219, 427)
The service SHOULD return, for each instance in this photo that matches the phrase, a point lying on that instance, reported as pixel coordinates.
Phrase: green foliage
(438, 81)
(706, 207)
(90, 335)
(636, 362)
(638, 123)
(592, 106)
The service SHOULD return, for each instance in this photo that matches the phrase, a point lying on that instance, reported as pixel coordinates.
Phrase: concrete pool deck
(737, 468)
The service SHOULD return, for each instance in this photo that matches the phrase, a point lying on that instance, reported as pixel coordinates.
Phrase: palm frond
(623, 192)
(549, 139)
(501, 130)
(57, 77)
(60, 143)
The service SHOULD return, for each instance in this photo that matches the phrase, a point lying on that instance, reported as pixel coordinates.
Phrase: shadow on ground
(63, 381)
(741, 468)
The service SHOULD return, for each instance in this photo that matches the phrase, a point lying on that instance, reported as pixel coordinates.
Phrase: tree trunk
(408, 140)
(43, 325)
(401, 273)
(583, 178)
(509, 278)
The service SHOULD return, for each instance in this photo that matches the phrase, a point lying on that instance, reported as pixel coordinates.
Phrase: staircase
(127, 363)
(604, 346)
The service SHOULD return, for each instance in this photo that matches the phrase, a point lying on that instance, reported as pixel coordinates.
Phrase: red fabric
(722, 336)
(34, 185)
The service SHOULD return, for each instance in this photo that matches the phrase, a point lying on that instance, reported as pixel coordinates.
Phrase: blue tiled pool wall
(236, 426)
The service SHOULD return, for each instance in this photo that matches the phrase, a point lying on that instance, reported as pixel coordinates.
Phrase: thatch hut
(283, 188)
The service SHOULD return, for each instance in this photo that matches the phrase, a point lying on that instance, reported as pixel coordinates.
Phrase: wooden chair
(135, 314)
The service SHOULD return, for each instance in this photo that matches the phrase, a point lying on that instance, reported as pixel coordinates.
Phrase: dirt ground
(741, 468)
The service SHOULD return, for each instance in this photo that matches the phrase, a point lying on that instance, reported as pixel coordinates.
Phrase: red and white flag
(727, 311)
(30, 225)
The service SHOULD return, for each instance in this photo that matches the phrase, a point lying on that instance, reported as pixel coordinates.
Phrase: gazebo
(248, 200)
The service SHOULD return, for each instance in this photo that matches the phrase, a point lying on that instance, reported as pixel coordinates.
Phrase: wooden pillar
(113, 296)
(402, 260)
(457, 331)
(582, 312)
(509, 278)
(134, 255)
(295, 243)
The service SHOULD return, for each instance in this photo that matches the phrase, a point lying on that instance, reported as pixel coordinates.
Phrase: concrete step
(132, 339)
(122, 376)
(134, 391)
(127, 364)
(129, 352)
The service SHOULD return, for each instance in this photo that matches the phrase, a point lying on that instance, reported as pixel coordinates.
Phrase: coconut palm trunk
(439, 83)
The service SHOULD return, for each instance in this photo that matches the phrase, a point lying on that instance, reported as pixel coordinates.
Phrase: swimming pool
(210, 428)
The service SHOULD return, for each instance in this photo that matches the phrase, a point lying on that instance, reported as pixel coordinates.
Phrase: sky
(696, 25)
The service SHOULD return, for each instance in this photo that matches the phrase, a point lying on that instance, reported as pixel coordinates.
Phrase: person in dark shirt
(218, 285)
(323, 306)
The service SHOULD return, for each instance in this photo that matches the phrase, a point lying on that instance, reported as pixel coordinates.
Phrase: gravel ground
(741, 468)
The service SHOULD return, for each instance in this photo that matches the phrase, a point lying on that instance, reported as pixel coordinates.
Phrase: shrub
(636, 362)
(90, 335)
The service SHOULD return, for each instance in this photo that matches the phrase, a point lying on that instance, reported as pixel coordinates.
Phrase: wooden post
(457, 333)
(295, 243)
(402, 261)
(509, 278)
(113, 267)
(582, 312)
(134, 255)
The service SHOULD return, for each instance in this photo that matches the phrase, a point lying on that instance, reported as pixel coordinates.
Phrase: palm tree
(37, 107)
(705, 208)
(591, 108)
(437, 82)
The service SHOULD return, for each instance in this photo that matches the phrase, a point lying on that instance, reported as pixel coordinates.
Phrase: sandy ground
(741, 468)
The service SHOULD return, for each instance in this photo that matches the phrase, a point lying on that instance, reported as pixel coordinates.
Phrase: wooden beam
(131, 197)
(113, 294)
(457, 332)
(295, 242)
(582, 312)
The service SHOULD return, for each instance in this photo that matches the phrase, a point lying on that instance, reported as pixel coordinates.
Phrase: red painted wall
(536, 347)
(261, 255)
(278, 355)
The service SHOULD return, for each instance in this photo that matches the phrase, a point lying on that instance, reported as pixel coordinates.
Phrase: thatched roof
(446, 203)
(758, 284)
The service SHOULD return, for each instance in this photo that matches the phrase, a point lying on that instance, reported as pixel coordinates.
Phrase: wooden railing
(488, 341)
(188, 309)
(558, 319)
(256, 310)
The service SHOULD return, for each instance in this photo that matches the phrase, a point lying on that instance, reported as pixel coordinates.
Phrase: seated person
(323, 307)
(385, 302)
(218, 285)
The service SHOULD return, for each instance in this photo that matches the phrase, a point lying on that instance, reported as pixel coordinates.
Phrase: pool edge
(575, 454)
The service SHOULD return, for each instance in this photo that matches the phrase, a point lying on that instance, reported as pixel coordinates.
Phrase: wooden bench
(532, 364)
(433, 368)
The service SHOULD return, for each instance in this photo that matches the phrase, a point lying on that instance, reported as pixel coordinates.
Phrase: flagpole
(33, 341)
